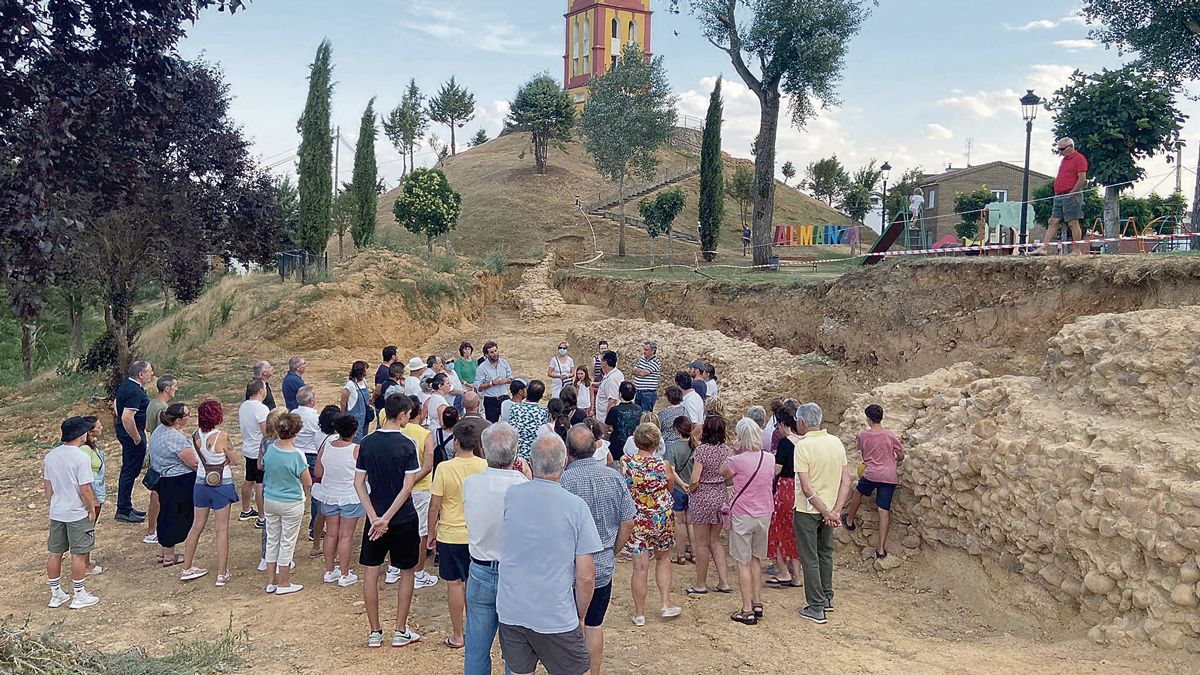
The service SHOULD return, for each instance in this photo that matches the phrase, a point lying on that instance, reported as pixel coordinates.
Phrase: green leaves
(428, 205)
(826, 179)
(544, 110)
(364, 182)
(662, 211)
(712, 181)
(453, 106)
(316, 154)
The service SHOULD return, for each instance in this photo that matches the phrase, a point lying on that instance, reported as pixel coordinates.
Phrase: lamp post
(1029, 106)
(883, 202)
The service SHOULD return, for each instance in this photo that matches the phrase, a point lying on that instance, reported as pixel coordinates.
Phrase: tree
(712, 181)
(316, 154)
(345, 208)
(453, 106)
(365, 181)
(799, 47)
(1117, 118)
(546, 112)
(856, 199)
(629, 115)
(287, 199)
(479, 138)
(826, 179)
(405, 126)
(428, 205)
(896, 200)
(789, 171)
(970, 208)
(741, 188)
(660, 213)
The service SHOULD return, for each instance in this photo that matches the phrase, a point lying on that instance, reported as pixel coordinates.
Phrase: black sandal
(747, 618)
(850, 527)
(758, 610)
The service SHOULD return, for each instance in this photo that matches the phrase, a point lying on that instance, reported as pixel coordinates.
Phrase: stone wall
(533, 297)
(1084, 478)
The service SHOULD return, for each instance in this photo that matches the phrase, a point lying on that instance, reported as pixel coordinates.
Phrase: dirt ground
(941, 614)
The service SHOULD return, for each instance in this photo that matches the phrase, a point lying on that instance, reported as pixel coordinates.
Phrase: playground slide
(885, 242)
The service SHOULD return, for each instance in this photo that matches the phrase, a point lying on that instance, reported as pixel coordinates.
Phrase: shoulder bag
(726, 519)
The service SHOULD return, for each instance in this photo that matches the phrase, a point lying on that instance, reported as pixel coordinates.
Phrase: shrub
(496, 262)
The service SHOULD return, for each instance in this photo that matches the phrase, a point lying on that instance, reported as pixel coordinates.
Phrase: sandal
(758, 610)
(679, 560)
(747, 618)
(696, 591)
(880, 554)
(777, 582)
(451, 645)
(850, 527)
(723, 590)
(317, 553)
(691, 558)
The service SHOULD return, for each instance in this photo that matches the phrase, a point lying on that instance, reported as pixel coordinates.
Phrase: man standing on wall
(1068, 195)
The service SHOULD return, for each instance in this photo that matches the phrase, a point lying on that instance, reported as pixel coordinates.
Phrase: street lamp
(883, 201)
(1029, 106)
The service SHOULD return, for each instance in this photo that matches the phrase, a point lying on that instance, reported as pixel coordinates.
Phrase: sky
(921, 79)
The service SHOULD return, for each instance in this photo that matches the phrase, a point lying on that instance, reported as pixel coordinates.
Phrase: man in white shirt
(252, 418)
(608, 394)
(692, 403)
(67, 483)
(412, 382)
(483, 504)
(308, 441)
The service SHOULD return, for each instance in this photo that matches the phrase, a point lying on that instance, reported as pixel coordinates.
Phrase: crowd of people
(524, 504)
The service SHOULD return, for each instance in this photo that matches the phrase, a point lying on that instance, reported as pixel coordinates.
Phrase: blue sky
(921, 78)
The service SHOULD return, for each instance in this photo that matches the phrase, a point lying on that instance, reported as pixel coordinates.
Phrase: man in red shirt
(1068, 194)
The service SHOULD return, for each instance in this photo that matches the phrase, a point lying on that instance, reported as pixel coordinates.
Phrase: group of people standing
(526, 506)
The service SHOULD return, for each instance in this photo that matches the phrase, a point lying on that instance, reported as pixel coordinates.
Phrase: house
(1002, 178)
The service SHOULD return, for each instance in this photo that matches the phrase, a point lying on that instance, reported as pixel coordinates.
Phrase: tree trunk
(429, 243)
(449, 245)
(118, 327)
(764, 180)
(453, 147)
(1196, 200)
(403, 164)
(539, 152)
(1112, 217)
(621, 226)
(412, 157)
(75, 319)
(341, 253)
(28, 333)
(670, 252)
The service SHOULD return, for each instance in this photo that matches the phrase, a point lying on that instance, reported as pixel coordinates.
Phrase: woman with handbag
(752, 471)
(213, 492)
(708, 504)
(172, 474)
(355, 398)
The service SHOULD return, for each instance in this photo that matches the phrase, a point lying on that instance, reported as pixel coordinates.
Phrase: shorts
(883, 499)
(748, 537)
(1067, 207)
(214, 497)
(78, 537)
(679, 500)
(254, 472)
(454, 560)
(561, 653)
(400, 543)
(342, 510)
(599, 606)
(421, 499)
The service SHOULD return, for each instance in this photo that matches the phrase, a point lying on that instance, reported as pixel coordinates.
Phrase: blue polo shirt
(292, 383)
(544, 528)
(131, 395)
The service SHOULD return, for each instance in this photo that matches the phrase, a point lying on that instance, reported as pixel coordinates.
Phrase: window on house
(931, 202)
(614, 28)
(614, 62)
(632, 32)
(587, 45)
(1000, 195)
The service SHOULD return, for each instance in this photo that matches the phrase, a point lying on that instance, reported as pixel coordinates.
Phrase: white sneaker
(404, 638)
(262, 564)
(348, 580)
(150, 539)
(333, 576)
(83, 599)
(393, 575)
(290, 588)
(58, 598)
(425, 582)
(271, 588)
(670, 612)
(96, 569)
(639, 621)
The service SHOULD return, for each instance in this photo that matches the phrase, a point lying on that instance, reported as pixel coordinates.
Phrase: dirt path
(881, 625)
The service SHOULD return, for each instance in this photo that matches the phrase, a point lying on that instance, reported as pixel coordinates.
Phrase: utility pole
(337, 146)
(1179, 166)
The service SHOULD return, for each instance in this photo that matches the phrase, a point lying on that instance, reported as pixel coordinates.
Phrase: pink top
(878, 448)
(757, 501)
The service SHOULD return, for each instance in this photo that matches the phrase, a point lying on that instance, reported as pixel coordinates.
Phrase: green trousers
(814, 541)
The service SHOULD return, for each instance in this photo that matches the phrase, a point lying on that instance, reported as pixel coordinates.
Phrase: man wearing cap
(697, 369)
(1068, 194)
(492, 378)
(412, 382)
(646, 374)
(67, 483)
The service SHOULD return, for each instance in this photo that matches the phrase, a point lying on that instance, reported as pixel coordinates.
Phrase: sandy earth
(905, 623)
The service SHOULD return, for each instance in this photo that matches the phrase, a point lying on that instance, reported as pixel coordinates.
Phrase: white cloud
(1043, 24)
(1075, 45)
(1044, 79)
(937, 132)
(475, 29)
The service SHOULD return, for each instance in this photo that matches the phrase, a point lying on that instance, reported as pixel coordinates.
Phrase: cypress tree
(712, 185)
(316, 154)
(364, 182)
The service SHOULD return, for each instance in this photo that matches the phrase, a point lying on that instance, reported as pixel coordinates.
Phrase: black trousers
(491, 407)
(133, 457)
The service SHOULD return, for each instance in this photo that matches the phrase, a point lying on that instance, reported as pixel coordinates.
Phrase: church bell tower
(596, 30)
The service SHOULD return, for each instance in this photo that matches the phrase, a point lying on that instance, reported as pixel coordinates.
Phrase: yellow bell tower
(596, 30)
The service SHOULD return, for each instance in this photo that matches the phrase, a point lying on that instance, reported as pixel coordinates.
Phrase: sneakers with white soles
(404, 638)
(58, 598)
(348, 580)
(83, 599)
(289, 589)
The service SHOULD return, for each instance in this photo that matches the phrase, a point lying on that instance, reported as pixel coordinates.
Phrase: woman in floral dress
(707, 503)
(650, 481)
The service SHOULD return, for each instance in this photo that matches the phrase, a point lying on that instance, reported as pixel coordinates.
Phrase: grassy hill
(508, 206)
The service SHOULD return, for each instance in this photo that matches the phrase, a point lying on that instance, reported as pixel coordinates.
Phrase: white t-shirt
(456, 384)
(711, 388)
(560, 371)
(251, 415)
(608, 394)
(915, 203)
(434, 421)
(602, 451)
(630, 448)
(308, 440)
(694, 405)
(351, 400)
(583, 397)
(67, 468)
(412, 387)
(483, 508)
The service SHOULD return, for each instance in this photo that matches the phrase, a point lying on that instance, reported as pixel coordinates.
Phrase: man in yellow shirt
(822, 486)
(418, 434)
(448, 521)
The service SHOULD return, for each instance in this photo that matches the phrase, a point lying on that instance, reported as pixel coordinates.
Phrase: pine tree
(405, 125)
(453, 106)
(479, 138)
(316, 154)
(789, 171)
(547, 113)
(712, 184)
(364, 181)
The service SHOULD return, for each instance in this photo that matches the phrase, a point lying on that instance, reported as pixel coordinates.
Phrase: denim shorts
(679, 500)
(342, 510)
(214, 497)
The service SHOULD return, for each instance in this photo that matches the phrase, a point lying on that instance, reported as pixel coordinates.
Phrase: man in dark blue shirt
(129, 407)
(293, 381)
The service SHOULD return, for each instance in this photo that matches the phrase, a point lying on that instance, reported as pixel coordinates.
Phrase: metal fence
(302, 265)
(635, 190)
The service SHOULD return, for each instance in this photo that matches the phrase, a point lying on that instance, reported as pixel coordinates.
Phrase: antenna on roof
(970, 146)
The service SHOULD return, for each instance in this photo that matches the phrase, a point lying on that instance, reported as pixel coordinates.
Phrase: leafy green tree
(405, 125)
(287, 198)
(478, 139)
(660, 213)
(428, 205)
(453, 106)
(970, 208)
(365, 181)
(741, 188)
(546, 112)
(316, 154)
(1117, 118)
(856, 200)
(826, 179)
(789, 171)
(799, 49)
(712, 181)
(629, 115)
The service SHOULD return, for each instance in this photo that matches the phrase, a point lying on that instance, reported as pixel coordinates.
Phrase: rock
(167, 609)
(1098, 583)
(891, 562)
(911, 541)
(1184, 595)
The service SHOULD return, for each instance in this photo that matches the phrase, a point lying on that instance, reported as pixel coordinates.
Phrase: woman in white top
(583, 390)
(561, 370)
(213, 492)
(437, 364)
(439, 387)
(630, 448)
(340, 503)
(355, 397)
